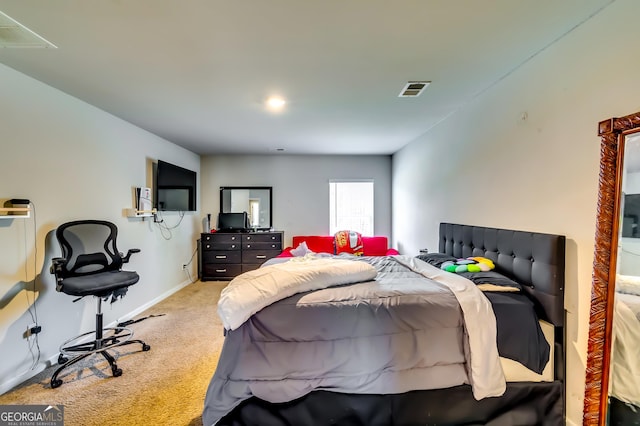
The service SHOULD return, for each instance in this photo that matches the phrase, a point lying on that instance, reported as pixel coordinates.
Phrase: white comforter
(625, 353)
(247, 293)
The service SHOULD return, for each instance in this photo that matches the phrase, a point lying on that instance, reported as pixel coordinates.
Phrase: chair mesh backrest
(89, 246)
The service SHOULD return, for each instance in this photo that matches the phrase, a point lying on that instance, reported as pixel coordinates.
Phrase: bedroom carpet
(165, 386)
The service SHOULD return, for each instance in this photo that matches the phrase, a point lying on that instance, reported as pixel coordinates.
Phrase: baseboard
(149, 304)
(15, 381)
(43, 365)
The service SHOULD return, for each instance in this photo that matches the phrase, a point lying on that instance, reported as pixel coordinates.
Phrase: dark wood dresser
(225, 255)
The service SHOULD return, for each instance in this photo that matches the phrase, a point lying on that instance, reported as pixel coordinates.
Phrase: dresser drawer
(214, 272)
(258, 256)
(218, 238)
(262, 237)
(212, 256)
(261, 246)
(224, 246)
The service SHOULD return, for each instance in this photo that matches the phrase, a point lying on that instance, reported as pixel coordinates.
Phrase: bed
(624, 395)
(363, 352)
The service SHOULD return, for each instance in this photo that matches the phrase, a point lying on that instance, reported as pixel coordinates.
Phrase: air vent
(15, 35)
(413, 89)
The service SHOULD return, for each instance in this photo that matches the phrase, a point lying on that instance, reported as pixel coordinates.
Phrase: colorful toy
(470, 264)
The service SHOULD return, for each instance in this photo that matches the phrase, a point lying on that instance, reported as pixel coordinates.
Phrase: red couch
(372, 246)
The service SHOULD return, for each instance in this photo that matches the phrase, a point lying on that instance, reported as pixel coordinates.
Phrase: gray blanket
(398, 333)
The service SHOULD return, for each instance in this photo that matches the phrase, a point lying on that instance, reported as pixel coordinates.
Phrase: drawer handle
(221, 270)
(248, 245)
(261, 256)
(233, 238)
(248, 238)
(273, 237)
(273, 246)
(233, 246)
(221, 256)
(208, 245)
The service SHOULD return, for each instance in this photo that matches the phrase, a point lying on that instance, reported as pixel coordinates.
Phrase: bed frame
(537, 261)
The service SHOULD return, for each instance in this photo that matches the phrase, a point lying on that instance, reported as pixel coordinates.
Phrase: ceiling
(197, 72)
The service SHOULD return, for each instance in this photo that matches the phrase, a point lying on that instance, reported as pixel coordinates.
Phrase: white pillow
(301, 250)
(628, 284)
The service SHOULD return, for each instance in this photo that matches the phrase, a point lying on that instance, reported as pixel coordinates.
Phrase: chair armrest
(125, 259)
(57, 265)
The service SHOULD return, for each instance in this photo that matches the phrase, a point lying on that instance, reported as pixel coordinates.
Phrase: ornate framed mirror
(255, 200)
(613, 225)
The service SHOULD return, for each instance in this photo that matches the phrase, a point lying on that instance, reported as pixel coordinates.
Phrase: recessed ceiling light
(275, 103)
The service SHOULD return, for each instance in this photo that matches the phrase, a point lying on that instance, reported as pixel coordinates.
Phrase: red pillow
(375, 246)
(286, 252)
(348, 242)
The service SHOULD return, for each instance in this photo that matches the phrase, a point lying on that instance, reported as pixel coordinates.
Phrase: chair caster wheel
(117, 372)
(62, 359)
(56, 383)
(146, 347)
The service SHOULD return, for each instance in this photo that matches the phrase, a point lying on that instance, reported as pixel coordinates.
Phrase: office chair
(91, 265)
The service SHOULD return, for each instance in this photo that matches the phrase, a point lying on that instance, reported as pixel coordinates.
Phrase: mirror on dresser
(255, 200)
(612, 388)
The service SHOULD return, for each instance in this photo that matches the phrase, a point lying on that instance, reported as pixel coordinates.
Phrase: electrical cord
(166, 233)
(32, 308)
(165, 230)
(132, 321)
(189, 263)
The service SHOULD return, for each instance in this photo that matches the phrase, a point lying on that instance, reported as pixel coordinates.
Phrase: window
(351, 206)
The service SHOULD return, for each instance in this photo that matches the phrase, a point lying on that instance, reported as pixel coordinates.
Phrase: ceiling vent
(15, 35)
(413, 89)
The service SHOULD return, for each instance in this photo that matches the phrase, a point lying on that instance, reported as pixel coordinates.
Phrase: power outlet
(32, 330)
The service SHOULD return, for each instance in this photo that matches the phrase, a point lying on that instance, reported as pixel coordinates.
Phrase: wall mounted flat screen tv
(631, 216)
(175, 188)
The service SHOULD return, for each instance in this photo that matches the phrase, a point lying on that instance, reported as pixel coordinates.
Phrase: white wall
(74, 161)
(300, 187)
(486, 165)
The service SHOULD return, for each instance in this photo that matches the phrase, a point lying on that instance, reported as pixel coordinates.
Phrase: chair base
(98, 345)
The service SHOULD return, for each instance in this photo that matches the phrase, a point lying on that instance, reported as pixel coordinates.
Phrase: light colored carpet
(164, 386)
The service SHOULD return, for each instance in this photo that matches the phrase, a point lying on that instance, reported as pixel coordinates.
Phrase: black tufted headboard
(533, 259)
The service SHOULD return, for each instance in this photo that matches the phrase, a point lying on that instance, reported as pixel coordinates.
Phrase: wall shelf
(140, 213)
(15, 212)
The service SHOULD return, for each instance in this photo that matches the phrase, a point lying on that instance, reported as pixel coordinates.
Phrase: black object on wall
(175, 188)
